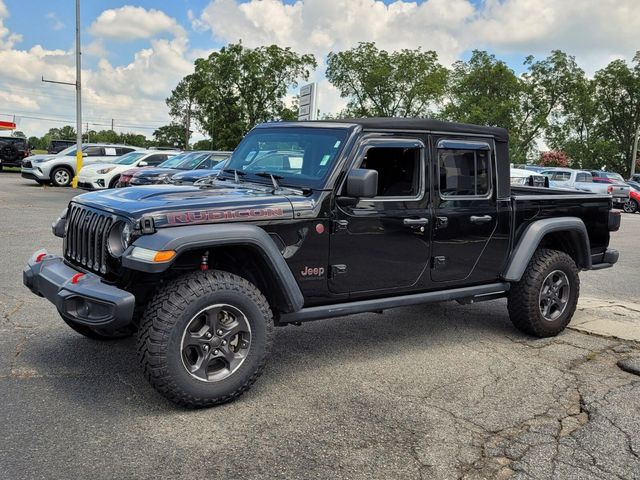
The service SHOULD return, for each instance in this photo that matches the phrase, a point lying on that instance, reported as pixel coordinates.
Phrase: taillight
(610, 189)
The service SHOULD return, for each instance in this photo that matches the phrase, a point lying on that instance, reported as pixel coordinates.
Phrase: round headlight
(119, 239)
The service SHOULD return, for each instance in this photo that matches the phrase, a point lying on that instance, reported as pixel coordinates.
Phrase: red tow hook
(40, 257)
(76, 278)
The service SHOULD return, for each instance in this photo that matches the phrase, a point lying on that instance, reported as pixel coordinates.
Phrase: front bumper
(34, 173)
(89, 301)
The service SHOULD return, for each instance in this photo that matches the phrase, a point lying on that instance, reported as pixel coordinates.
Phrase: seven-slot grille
(85, 242)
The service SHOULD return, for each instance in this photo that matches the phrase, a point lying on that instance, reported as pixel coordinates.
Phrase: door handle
(415, 222)
(481, 219)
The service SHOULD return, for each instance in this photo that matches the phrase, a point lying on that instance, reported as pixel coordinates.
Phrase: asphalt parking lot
(438, 391)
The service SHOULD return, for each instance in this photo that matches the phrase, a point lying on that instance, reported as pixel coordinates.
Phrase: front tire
(61, 177)
(543, 302)
(205, 338)
(114, 182)
(631, 206)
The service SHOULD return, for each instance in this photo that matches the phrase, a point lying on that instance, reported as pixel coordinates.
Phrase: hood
(40, 158)
(192, 175)
(171, 205)
(98, 166)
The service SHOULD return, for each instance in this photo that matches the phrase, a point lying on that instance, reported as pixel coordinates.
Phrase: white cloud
(7, 38)
(130, 23)
(132, 93)
(56, 23)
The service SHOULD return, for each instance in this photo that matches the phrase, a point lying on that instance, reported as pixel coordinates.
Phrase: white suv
(106, 175)
(59, 169)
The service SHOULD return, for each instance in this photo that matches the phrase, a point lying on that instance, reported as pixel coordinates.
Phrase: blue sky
(135, 51)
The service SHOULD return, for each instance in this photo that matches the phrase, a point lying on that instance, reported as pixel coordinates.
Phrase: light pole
(78, 100)
(634, 155)
(74, 183)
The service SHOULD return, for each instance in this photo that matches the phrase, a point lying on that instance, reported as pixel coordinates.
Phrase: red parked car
(633, 204)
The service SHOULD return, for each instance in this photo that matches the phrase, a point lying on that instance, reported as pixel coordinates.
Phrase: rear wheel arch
(565, 234)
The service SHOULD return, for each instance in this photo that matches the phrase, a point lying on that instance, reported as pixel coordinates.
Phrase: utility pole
(77, 84)
(112, 129)
(634, 155)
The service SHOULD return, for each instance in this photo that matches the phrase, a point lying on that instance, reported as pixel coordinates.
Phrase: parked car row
(109, 166)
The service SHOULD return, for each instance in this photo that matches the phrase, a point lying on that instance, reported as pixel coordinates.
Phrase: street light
(74, 183)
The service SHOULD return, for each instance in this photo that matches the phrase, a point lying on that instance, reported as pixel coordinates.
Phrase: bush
(554, 158)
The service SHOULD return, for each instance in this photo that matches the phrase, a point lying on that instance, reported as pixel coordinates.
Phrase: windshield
(193, 161)
(301, 156)
(558, 175)
(68, 151)
(130, 158)
(614, 176)
(173, 161)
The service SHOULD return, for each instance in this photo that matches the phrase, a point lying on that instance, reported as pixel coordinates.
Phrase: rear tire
(102, 334)
(543, 302)
(61, 177)
(205, 338)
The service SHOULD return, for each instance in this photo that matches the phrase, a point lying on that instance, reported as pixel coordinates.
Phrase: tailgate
(619, 191)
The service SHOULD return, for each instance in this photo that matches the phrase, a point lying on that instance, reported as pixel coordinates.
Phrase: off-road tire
(9, 153)
(524, 296)
(56, 182)
(102, 334)
(169, 314)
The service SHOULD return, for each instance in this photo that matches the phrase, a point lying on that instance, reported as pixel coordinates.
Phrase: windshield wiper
(274, 178)
(236, 173)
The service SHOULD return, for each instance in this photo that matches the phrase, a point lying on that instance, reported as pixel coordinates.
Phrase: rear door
(465, 210)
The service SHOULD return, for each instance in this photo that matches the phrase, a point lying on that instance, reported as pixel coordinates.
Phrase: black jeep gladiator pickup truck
(352, 216)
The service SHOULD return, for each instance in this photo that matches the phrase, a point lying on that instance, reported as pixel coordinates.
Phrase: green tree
(181, 104)
(617, 93)
(236, 88)
(170, 136)
(405, 83)
(65, 133)
(547, 85)
(202, 145)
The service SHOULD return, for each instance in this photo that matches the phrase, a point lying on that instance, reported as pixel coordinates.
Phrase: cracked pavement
(434, 392)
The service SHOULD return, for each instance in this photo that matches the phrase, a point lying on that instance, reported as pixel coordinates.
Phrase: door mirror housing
(362, 183)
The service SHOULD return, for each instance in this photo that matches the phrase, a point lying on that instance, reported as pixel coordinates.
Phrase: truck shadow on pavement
(104, 374)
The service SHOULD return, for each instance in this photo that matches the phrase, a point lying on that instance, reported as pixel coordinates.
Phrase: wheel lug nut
(205, 347)
(219, 332)
(224, 342)
(215, 352)
(209, 335)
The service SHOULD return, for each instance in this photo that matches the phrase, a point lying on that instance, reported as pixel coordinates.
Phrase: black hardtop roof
(407, 124)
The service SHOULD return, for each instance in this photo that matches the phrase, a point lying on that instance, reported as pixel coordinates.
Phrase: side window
(92, 151)
(156, 159)
(583, 177)
(399, 170)
(464, 172)
(121, 151)
(561, 176)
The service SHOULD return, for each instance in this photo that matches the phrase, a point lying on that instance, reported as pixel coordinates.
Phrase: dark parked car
(378, 214)
(192, 176)
(191, 161)
(12, 151)
(56, 146)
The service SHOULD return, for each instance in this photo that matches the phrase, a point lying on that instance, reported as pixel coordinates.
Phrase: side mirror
(362, 183)
(143, 164)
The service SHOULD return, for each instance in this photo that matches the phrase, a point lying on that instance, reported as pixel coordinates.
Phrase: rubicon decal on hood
(190, 217)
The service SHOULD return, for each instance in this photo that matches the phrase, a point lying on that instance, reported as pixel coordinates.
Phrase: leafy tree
(236, 88)
(65, 133)
(170, 136)
(405, 83)
(202, 145)
(546, 85)
(617, 93)
(181, 104)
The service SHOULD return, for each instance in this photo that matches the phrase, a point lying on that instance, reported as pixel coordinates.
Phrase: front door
(382, 243)
(465, 210)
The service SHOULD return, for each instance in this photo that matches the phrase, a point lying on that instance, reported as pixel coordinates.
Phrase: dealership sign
(308, 102)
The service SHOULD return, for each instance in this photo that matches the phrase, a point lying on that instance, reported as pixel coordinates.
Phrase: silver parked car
(581, 180)
(59, 169)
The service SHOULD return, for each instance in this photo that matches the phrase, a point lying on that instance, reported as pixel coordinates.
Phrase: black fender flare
(185, 238)
(533, 235)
